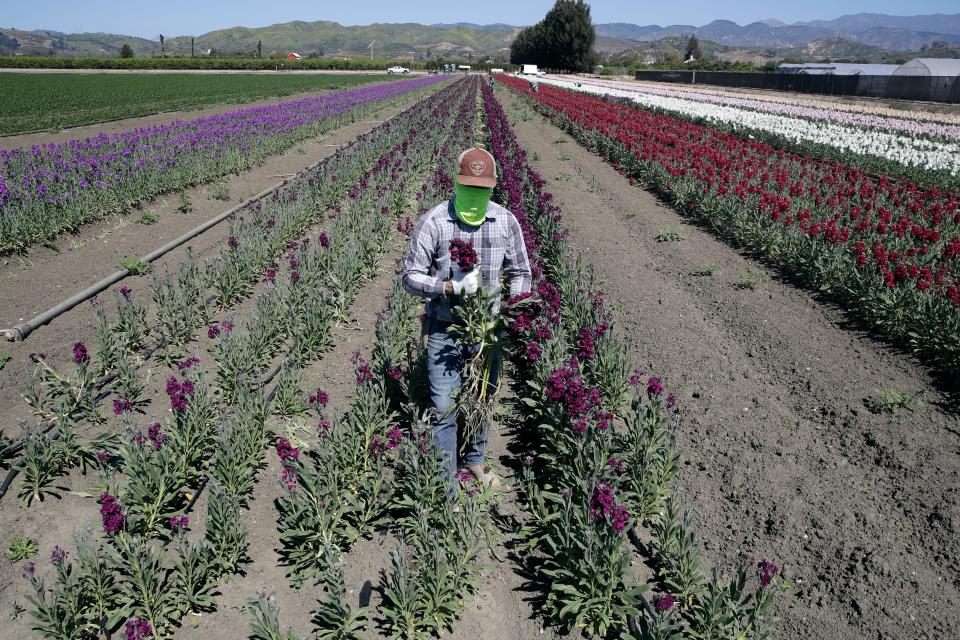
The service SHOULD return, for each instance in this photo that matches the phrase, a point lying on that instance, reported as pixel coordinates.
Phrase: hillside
(875, 37)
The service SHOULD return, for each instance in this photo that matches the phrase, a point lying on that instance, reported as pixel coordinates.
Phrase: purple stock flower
(319, 398)
(324, 241)
(394, 373)
(463, 253)
(187, 363)
(394, 436)
(664, 603)
(138, 629)
(179, 523)
(156, 436)
(654, 387)
(58, 555)
(289, 478)
(287, 451)
(80, 355)
(125, 291)
(767, 571)
(232, 242)
(121, 406)
(179, 393)
(111, 514)
(377, 446)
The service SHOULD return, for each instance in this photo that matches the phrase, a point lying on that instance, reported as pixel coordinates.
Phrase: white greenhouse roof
(930, 67)
(842, 68)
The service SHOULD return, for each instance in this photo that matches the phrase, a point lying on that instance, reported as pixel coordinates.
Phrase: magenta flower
(319, 398)
(664, 603)
(671, 401)
(271, 223)
(138, 629)
(363, 369)
(619, 466)
(29, 570)
(394, 373)
(463, 254)
(187, 363)
(58, 556)
(111, 514)
(767, 571)
(324, 241)
(377, 446)
(121, 406)
(179, 523)
(394, 436)
(654, 387)
(179, 393)
(289, 478)
(156, 436)
(213, 331)
(635, 377)
(287, 451)
(232, 242)
(125, 291)
(323, 427)
(80, 355)
(585, 347)
(534, 351)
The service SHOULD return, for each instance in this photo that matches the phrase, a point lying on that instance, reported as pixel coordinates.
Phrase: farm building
(294, 56)
(838, 69)
(927, 78)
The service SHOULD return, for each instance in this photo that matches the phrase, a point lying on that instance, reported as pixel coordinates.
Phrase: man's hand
(465, 283)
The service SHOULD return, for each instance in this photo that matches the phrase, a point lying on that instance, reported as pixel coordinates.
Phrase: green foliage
(219, 191)
(892, 401)
(126, 51)
(668, 234)
(134, 265)
(563, 40)
(186, 203)
(147, 218)
(21, 549)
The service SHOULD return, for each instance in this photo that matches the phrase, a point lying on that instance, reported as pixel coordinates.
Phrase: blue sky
(192, 17)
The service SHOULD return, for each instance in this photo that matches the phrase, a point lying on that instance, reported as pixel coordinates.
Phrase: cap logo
(477, 167)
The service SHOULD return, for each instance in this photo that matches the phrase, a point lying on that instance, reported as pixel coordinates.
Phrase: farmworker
(431, 273)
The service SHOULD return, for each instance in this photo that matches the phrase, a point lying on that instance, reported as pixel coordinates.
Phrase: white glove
(466, 283)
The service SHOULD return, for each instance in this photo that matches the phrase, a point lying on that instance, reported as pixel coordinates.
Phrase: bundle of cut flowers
(480, 328)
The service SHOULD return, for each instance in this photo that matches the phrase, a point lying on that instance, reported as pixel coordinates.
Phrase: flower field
(921, 150)
(883, 245)
(29, 102)
(240, 442)
(53, 188)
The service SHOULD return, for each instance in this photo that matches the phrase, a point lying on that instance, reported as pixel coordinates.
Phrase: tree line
(562, 41)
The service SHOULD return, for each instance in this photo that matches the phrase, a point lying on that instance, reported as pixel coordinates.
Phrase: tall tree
(126, 51)
(162, 47)
(564, 39)
(191, 46)
(693, 49)
(259, 48)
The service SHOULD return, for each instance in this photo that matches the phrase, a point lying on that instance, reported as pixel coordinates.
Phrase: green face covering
(471, 203)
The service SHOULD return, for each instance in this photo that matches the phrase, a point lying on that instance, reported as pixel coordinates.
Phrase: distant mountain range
(863, 35)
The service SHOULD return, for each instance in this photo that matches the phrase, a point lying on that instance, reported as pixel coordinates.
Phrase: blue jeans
(444, 369)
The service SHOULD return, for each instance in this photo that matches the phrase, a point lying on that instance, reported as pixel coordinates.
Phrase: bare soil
(781, 458)
(33, 283)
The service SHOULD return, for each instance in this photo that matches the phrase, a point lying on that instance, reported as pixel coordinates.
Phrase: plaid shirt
(498, 242)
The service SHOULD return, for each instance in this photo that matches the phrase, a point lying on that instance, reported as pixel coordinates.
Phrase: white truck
(530, 70)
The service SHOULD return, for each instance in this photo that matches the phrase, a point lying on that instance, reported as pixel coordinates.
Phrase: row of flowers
(886, 248)
(375, 468)
(602, 455)
(876, 150)
(151, 480)
(902, 122)
(52, 188)
(125, 344)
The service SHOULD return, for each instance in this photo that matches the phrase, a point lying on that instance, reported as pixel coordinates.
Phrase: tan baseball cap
(477, 168)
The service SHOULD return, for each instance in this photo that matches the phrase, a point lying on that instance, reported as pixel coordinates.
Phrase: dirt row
(31, 284)
(781, 457)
